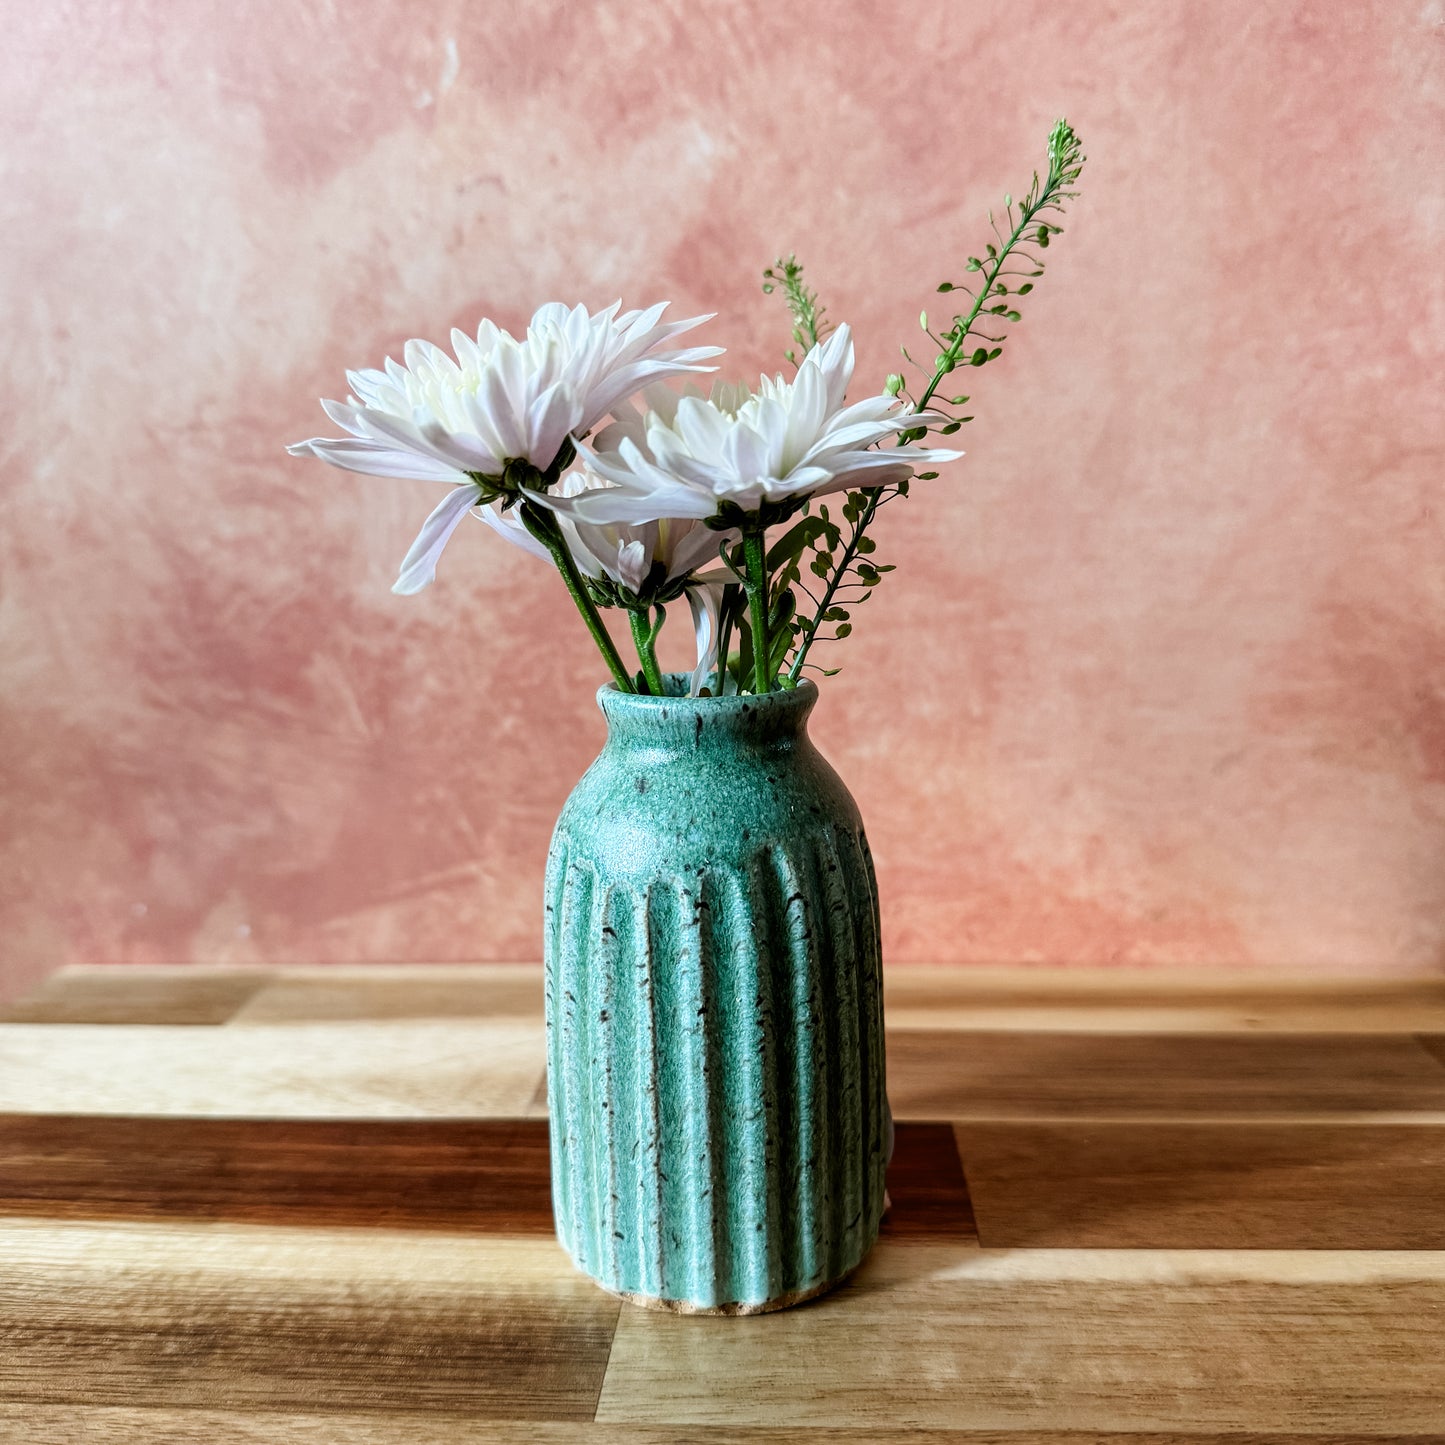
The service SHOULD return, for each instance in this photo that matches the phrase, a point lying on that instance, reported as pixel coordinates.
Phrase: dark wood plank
(476, 1175)
(927, 1193)
(484, 1175)
(1434, 1045)
(116, 994)
(1125, 1185)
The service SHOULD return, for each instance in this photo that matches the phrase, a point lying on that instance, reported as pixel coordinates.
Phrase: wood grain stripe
(280, 1320)
(1189, 1185)
(109, 994)
(1434, 1045)
(489, 1176)
(79, 1425)
(951, 1336)
(482, 1175)
(940, 1074)
(927, 1193)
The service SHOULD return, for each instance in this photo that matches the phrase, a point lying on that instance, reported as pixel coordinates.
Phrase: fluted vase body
(714, 1009)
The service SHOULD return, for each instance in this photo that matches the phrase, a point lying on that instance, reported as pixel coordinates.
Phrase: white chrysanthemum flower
(788, 440)
(620, 552)
(500, 400)
(626, 555)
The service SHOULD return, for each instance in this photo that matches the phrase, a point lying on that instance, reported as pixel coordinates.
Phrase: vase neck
(686, 724)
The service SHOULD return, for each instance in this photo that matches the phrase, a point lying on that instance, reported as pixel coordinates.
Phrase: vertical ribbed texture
(714, 997)
(716, 1065)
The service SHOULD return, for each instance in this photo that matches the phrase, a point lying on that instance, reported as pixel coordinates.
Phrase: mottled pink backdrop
(1160, 679)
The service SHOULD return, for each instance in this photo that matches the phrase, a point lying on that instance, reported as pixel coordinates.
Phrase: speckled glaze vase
(714, 1010)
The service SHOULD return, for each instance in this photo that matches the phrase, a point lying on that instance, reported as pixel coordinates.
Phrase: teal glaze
(714, 1009)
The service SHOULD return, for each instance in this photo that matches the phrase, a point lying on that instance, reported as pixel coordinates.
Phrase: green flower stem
(542, 525)
(756, 586)
(644, 636)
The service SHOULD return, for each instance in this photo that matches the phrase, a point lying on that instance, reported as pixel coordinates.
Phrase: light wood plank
(932, 1336)
(1138, 1000)
(298, 1320)
(341, 1070)
(1116, 1185)
(1004, 1075)
(130, 994)
(416, 991)
(78, 1425)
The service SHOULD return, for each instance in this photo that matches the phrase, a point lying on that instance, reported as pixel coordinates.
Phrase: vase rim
(615, 703)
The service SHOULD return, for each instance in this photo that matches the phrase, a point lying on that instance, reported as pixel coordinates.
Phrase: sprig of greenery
(809, 323)
(1032, 223)
(848, 575)
(1030, 231)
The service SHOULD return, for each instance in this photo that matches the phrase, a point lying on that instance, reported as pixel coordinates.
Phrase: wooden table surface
(312, 1205)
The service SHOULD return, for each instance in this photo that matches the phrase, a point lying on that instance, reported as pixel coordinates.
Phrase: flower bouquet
(719, 1120)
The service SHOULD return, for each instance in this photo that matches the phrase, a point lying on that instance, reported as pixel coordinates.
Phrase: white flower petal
(420, 564)
(375, 459)
(706, 604)
(633, 563)
(552, 416)
(509, 525)
(685, 545)
(614, 504)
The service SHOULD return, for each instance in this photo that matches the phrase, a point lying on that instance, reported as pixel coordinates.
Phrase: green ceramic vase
(714, 1009)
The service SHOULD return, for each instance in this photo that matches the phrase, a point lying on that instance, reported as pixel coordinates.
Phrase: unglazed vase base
(765, 1307)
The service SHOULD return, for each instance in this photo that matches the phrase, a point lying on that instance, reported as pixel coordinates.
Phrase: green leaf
(782, 645)
(745, 651)
(781, 611)
(789, 547)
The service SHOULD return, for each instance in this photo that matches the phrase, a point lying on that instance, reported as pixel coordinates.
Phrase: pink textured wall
(1161, 678)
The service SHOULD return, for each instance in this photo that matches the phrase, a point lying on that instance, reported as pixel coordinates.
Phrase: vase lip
(795, 700)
